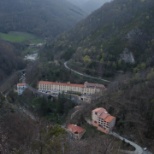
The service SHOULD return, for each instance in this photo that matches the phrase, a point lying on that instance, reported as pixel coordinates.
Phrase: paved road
(85, 75)
(74, 113)
(138, 149)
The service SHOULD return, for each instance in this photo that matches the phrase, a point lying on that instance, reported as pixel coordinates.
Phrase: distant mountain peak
(89, 5)
(46, 18)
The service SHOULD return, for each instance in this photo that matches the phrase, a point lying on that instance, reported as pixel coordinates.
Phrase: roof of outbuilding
(74, 128)
(21, 84)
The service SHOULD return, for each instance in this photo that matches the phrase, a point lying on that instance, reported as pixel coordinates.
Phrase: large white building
(58, 87)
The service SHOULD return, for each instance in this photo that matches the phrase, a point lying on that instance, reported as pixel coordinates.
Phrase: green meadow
(20, 37)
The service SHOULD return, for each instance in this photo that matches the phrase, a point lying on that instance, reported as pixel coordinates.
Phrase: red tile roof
(104, 116)
(61, 84)
(109, 118)
(74, 128)
(102, 113)
(21, 84)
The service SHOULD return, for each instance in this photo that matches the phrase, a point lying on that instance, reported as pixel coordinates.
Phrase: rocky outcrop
(127, 56)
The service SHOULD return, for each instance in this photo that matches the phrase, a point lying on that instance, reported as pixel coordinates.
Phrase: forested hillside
(130, 99)
(92, 5)
(45, 18)
(115, 41)
(117, 37)
(9, 60)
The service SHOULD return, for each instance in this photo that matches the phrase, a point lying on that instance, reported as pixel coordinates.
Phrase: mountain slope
(89, 5)
(9, 61)
(130, 99)
(92, 5)
(117, 37)
(45, 18)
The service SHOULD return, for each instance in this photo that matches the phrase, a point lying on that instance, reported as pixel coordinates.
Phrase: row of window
(102, 121)
(104, 125)
(65, 87)
(77, 89)
(59, 87)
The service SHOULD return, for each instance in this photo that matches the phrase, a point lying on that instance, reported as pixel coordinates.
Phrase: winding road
(85, 75)
(138, 149)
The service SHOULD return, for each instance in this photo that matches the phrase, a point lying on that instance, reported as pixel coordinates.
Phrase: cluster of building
(100, 119)
(58, 87)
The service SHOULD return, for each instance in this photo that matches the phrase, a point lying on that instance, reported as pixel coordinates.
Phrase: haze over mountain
(89, 5)
(115, 42)
(116, 37)
(46, 18)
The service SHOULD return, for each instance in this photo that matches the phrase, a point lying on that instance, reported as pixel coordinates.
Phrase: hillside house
(21, 88)
(103, 120)
(75, 131)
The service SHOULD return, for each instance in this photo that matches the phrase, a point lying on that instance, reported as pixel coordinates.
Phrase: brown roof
(74, 128)
(102, 113)
(109, 118)
(61, 84)
(94, 85)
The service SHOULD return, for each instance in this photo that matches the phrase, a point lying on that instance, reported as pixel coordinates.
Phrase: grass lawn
(20, 37)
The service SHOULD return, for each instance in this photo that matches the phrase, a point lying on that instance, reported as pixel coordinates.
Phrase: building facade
(75, 131)
(21, 87)
(103, 120)
(58, 87)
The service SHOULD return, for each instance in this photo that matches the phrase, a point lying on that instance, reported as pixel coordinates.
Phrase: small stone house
(21, 87)
(75, 131)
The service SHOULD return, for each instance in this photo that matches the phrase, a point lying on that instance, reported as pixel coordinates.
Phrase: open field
(20, 37)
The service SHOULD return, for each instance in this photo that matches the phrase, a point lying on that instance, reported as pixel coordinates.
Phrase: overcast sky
(84, 1)
(78, 1)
